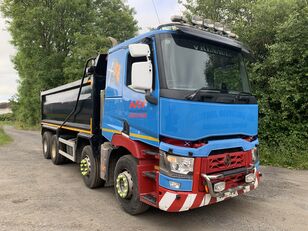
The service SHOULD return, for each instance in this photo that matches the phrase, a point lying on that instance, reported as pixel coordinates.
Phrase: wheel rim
(85, 166)
(124, 185)
(53, 151)
(45, 147)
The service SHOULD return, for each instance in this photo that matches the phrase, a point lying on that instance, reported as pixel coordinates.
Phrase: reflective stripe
(188, 202)
(111, 130)
(206, 200)
(132, 134)
(166, 201)
(68, 128)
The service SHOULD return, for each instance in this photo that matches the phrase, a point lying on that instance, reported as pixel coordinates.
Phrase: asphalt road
(36, 195)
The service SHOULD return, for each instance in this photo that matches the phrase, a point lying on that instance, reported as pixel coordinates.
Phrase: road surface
(37, 195)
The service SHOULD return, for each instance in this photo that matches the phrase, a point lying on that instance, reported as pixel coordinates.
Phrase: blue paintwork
(210, 146)
(144, 119)
(114, 82)
(137, 39)
(179, 119)
(187, 120)
(185, 184)
(113, 106)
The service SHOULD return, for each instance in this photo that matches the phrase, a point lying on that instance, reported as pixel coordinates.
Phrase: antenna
(156, 11)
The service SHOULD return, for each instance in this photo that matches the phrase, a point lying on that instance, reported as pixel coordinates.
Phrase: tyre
(55, 156)
(126, 185)
(46, 142)
(90, 168)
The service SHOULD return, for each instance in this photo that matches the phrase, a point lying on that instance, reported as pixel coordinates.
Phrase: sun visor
(212, 37)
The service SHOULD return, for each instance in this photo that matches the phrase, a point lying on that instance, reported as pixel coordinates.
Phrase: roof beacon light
(227, 29)
(178, 18)
(200, 23)
(208, 23)
(197, 20)
(218, 26)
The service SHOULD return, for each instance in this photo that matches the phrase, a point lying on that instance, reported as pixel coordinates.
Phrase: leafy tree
(276, 32)
(54, 37)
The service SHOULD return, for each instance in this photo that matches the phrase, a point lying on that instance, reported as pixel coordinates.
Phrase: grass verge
(4, 138)
(288, 154)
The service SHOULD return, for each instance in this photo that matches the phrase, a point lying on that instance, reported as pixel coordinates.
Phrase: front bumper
(177, 201)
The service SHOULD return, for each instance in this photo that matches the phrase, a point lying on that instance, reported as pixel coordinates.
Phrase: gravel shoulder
(37, 195)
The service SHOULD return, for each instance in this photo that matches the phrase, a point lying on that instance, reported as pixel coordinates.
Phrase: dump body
(58, 103)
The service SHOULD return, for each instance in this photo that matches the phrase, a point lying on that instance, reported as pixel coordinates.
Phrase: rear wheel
(46, 141)
(56, 157)
(126, 185)
(89, 168)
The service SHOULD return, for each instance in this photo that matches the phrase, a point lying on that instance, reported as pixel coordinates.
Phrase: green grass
(4, 138)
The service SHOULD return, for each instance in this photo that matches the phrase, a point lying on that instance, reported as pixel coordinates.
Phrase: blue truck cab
(173, 123)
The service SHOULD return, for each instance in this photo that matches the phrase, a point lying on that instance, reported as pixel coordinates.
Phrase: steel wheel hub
(85, 166)
(124, 185)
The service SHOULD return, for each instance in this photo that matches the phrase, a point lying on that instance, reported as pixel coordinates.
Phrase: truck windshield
(192, 63)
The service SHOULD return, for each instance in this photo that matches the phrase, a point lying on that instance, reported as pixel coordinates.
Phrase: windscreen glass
(191, 64)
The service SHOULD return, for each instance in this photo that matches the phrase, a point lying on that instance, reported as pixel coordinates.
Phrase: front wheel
(126, 185)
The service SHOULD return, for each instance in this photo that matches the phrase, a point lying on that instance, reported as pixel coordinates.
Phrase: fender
(136, 148)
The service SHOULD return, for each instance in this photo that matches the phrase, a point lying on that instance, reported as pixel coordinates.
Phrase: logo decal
(137, 109)
(137, 104)
(227, 160)
(115, 71)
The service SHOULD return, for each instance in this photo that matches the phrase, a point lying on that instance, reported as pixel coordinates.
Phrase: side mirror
(142, 76)
(90, 70)
(139, 50)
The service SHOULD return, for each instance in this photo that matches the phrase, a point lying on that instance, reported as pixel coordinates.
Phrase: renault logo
(227, 160)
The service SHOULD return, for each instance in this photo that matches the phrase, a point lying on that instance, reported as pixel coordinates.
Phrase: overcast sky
(145, 16)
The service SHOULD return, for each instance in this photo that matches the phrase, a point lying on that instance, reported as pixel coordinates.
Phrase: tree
(276, 32)
(54, 37)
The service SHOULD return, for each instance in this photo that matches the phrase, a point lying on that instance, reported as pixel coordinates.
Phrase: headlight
(255, 155)
(176, 164)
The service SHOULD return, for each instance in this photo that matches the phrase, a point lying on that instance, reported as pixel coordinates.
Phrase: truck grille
(226, 161)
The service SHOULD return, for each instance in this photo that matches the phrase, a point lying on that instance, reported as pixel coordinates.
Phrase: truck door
(142, 116)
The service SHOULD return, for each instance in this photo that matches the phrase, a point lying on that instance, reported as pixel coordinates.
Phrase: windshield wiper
(242, 93)
(196, 92)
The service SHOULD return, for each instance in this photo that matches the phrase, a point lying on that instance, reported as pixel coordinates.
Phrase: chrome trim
(208, 179)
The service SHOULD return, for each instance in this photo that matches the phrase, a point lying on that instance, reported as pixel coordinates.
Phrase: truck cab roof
(188, 30)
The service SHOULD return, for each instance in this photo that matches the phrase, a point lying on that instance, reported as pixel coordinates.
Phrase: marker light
(178, 18)
(197, 20)
(250, 178)
(255, 155)
(218, 26)
(208, 23)
(227, 30)
(219, 187)
(175, 185)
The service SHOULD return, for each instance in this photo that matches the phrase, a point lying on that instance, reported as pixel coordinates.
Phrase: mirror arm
(150, 98)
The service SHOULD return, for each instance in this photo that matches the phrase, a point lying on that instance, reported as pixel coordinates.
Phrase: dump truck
(167, 118)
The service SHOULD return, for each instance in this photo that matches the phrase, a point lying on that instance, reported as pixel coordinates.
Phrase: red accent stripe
(197, 201)
(161, 195)
(177, 204)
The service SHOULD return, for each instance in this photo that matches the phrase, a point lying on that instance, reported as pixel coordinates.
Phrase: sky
(145, 15)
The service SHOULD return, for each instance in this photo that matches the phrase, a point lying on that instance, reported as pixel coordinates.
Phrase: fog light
(219, 187)
(250, 178)
(174, 184)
